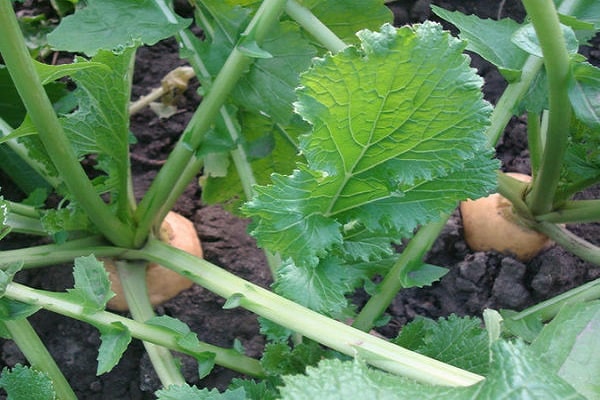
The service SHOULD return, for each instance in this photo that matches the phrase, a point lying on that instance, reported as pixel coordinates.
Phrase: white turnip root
(490, 223)
(163, 283)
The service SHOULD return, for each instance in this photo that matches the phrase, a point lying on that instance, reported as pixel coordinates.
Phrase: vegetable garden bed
(476, 280)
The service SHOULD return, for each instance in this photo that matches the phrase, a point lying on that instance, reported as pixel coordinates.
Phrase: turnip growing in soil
(338, 140)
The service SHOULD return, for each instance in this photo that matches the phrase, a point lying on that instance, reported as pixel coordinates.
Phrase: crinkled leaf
(115, 339)
(24, 383)
(114, 24)
(92, 285)
(461, 342)
(584, 93)
(569, 345)
(186, 392)
(397, 139)
(261, 390)
(280, 359)
(490, 39)
(345, 18)
(514, 374)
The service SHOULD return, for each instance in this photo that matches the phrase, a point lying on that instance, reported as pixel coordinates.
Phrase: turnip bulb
(490, 223)
(163, 283)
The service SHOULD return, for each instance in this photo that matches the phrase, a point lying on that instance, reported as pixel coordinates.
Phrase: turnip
(163, 283)
(490, 223)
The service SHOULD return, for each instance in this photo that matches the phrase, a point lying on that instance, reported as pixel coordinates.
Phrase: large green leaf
(515, 374)
(569, 346)
(114, 24)
(23, 382)
(397, 139)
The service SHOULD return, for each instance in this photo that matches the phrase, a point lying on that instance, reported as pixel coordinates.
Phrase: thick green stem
(133, 280)
(20, 66)
(544, 18)
(571, 212)
(56, 302)
(314, 26)
(153, 205)
(411, 258)
(315, 326)
(25, 337)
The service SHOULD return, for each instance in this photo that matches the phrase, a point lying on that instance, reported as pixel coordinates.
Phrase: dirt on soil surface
(476, 280)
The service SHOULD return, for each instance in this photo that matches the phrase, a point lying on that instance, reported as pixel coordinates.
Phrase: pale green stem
(56, 302)
(314, 26)
(331, 333)
(548, 309)
(153, 206)
(133, 280)
(544, 18)
(410, 259)
(25, 337)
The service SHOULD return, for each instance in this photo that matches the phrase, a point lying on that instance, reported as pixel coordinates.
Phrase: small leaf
(170, 323)
(526, 39)
(12, 309)
(92, 285)
(584, 93)
(525, 328)
(424, 275)
(206, 363)
(24, 383)
(7, 272)
(115, 340)
(112, 24)
(233, 301)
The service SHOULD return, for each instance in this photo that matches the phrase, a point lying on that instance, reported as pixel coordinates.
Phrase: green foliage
(113, 24)
(186, 392)
(92, 286)
(114, 343)
(24, 383)
(461, 342)
(515, 373)
(397, 140)
(569, 346)
(280, 359)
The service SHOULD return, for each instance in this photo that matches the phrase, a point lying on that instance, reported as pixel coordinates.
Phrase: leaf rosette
(397, 140)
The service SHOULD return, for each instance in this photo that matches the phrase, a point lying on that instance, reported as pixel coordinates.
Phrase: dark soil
(476, 280)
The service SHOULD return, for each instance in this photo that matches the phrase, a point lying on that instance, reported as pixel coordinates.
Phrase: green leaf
(526, 39)
(115, 340)
(8, 271)
(461, 342)
(262, 390)
(515, 374)
(24, 383)
(423, 275)
(280, 359)
(524, 328)
(206, 363)
(186, 392)
(569, 345)
(345, 18)
(185, 338)
(490, 39)
(269, 147)
(114, 24)
(12, 309)
(397, 139)
(584, 93)
(92, 285)
(585, 10)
